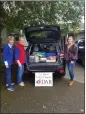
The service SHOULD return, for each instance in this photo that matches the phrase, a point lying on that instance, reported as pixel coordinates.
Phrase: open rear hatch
(42, 37)
(42, 34)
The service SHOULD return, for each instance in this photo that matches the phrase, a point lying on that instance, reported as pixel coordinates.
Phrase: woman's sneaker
(22, 84)
(11, 88)
(11, 84)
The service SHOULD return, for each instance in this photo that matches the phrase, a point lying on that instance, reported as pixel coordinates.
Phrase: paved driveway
(79, 73)
(57, 99)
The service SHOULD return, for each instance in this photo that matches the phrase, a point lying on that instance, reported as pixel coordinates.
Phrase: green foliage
(2, 19)
(66, 13)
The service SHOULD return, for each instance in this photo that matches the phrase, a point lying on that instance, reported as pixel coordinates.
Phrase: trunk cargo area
(43, 57)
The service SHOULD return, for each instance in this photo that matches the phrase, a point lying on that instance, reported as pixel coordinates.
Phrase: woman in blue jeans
(71, 55)
(8, 51)
(20, 58)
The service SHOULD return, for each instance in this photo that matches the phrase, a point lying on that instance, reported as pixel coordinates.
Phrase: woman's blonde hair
(10, 37)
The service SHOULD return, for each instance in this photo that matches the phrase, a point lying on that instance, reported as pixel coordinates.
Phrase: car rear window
(43, 34)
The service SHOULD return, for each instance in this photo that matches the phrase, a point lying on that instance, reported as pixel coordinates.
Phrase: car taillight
(61, 70)
(25, 71)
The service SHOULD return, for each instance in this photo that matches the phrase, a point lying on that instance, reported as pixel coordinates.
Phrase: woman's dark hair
(69, 35)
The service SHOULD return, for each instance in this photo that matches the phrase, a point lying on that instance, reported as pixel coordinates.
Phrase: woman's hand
(7, 66)
(19, 64)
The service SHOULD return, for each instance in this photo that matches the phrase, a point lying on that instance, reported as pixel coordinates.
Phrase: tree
(2, 18)
(66, 13)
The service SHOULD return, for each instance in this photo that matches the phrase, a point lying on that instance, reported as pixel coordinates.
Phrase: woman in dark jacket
(71, 55)
(8, 61)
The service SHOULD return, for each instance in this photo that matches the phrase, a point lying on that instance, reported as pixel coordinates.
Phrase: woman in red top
(20, 58)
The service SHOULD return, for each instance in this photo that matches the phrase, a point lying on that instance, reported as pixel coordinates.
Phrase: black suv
(45, 50)
(81, 50)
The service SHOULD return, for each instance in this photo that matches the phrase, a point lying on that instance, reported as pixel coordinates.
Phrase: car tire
(60, 75)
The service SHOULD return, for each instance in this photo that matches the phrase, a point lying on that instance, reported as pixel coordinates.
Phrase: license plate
(44, 79)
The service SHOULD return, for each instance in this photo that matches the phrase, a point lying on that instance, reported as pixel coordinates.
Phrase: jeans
(20, 73)
(71, 68)
(8, 76)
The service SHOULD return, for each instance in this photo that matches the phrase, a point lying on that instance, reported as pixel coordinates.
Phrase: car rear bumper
(49, 67)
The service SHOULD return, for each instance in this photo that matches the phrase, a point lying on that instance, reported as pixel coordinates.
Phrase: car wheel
(60, 75)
